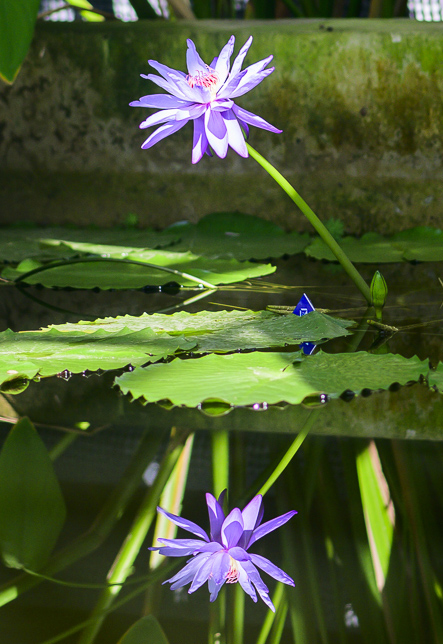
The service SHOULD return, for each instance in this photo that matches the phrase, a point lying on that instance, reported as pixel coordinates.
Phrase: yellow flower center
(233, 572)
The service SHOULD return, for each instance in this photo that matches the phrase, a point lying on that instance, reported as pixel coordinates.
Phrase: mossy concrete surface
(360, 104)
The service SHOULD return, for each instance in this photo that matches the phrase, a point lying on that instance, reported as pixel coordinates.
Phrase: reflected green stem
(62, 445)
(220, 475)
(316, 223)
(270, 616)
(153, 577)
(101, 527)
(291, 452)
(122, 565)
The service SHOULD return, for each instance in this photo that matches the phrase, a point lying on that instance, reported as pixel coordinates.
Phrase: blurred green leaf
(17, 21)
(146, 631)
(32, 509)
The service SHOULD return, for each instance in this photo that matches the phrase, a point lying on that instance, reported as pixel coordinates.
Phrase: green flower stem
(316, 223)
(122, 565)
(291, 452)
(101, 527)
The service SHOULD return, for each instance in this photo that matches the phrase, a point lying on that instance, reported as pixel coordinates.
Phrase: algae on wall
(360, 104)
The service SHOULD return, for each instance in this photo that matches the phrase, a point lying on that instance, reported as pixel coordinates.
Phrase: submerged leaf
(32, 510)
(146, 630)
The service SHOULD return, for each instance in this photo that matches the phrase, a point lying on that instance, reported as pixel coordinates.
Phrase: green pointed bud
(379, 290)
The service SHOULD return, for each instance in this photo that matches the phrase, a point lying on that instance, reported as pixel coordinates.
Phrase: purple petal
(190, 526)
(239, 554)
(253, 119)
(216, 132)
(194, 62)
(200, 143)
(232, 528)
(203, 572)
(253, 512)
(214, 588)
(238, 62)
(179, 547)
(169, 86)
(187, 574)
(190, 113)
(244, 582)
(246, 84)
(164, 70)
(230, 86)
(269, 526)
(236, 138)
(222, 105)
(271, 569)
(162, 132)
(215, 510)
(211, 547)
(223, 60)
(159, 117)
(160, 101)
(254, 577)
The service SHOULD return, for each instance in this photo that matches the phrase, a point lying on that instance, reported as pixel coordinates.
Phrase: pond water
(365, 547)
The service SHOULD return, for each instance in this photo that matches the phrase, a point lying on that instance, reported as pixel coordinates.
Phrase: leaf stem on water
(84, 260)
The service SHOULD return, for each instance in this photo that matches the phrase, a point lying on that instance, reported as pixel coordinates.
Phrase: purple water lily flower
(205, 96)
(223, 556)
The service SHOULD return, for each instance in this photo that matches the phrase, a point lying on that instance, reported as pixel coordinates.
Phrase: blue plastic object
(304, 307)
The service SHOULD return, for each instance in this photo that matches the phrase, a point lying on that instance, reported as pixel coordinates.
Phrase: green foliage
(113, 343)
(17, 20)
(245, 379)
(32, 510)
(147, 631)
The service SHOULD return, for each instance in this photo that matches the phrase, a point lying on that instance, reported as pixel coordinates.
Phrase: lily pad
(251, 378)
(422, 244)
(17, 244)
(234, 234)
(113, 343)
(122, 275)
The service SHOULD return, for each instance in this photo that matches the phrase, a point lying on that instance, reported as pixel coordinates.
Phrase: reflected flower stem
(316, 223)
(220, 477)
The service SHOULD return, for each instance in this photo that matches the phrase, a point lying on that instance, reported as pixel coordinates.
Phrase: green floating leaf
(246, 379)
(17, 244)
(17, 20)
(116, 275)
(370, 248)
(32, 510)
(49, 351)
(422, 244)
(112, 343)
(234, 234)
(146, 631)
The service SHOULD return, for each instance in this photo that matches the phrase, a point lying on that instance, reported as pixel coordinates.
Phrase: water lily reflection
(222, 556)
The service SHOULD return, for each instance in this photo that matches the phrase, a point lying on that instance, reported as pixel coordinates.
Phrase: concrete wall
(360, 103)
